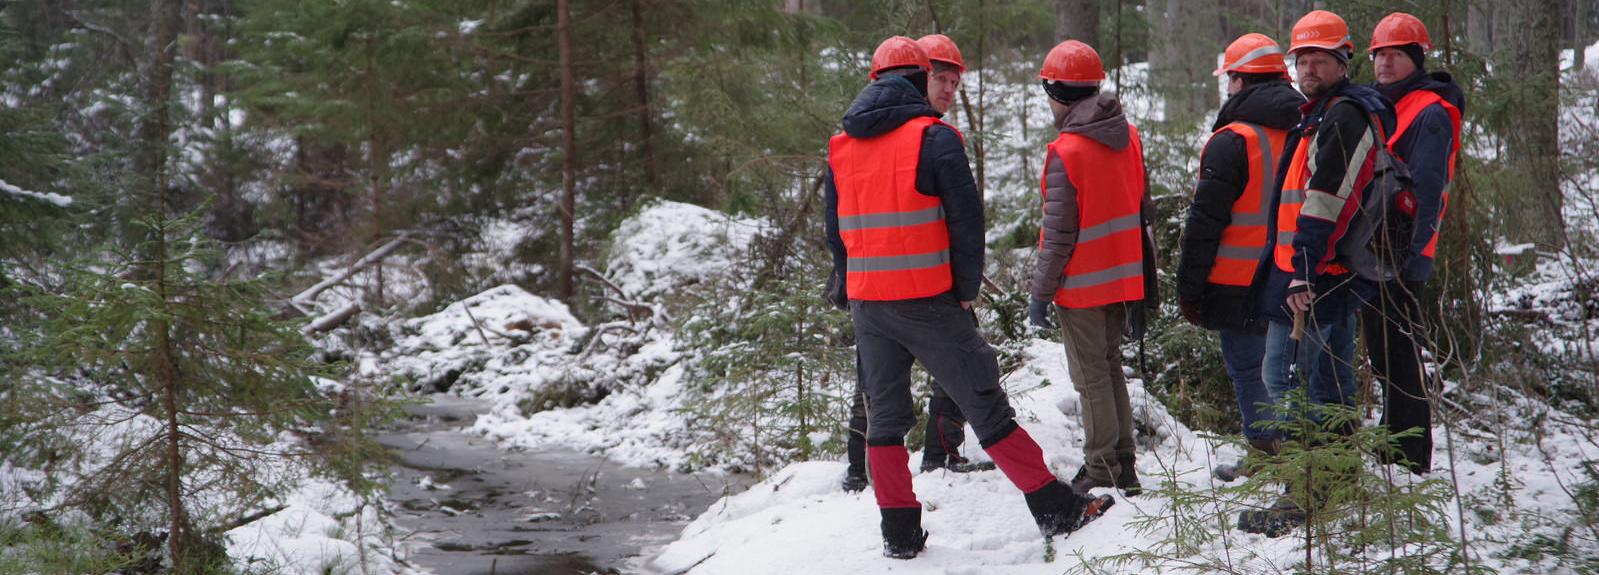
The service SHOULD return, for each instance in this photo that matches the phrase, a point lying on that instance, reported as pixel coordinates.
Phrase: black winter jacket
(1223, 176)
(941, 171)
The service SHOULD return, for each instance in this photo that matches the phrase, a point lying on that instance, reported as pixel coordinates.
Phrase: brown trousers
(1094, 360)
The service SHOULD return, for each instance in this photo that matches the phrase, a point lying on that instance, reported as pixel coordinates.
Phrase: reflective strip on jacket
(1107, 265)
(895, 237)
(1245, 236)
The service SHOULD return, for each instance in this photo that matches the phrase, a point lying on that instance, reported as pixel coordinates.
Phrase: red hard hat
(898, 52)
(942, 49)
(1253, 54)
(1073, 63)
(1320, 30)
(1399, 29)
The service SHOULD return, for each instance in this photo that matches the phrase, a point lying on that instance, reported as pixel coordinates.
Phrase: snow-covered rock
(670, 245)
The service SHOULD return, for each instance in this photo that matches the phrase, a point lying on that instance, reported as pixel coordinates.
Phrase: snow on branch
(57, 199)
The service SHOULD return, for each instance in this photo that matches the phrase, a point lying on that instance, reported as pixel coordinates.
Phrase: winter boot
(946, 431)
(1246, 466)
(956, 464)
(1127, 478)
(855, 477)
(903, 536)
(1058, 510)
(1276, 521)
(854, 482)
(1082, 483)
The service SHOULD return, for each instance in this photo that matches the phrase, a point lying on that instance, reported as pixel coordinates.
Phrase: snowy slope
(800, 521)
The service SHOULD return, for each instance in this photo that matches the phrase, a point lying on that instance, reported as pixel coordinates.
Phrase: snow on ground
(800, 521)
(620, 383)
(317, 531)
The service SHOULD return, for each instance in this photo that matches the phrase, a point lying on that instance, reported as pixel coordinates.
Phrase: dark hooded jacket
(1343, 153)
(1425, 147)
(1100, 118)
(1223, 176)
(941, 171)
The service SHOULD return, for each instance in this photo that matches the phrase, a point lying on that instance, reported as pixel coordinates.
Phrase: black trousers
(946, 428)
(938, 333)
(1394, 332)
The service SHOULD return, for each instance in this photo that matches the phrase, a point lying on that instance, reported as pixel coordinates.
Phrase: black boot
(903, 536)
(855, 477)
(1082, 483)
(1127, 478)
(1056, 508)
(1276, 521)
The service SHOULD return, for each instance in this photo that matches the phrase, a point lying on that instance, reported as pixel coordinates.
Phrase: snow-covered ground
(800, 521)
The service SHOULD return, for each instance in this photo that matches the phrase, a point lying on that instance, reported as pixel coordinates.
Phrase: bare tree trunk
(563, 28)
(641, 81)
(1480, 25)
(1533, 142)
(376, 162)
(1185, 30)
(1077, 20)
(154, 130)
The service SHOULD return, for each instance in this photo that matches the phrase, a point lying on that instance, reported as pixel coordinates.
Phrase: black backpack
(1376, 244)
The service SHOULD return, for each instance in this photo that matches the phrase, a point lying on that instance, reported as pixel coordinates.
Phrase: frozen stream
(475, 509)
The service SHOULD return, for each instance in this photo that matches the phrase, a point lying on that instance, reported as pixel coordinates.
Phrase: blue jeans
(1243, 353)
(1325, 358)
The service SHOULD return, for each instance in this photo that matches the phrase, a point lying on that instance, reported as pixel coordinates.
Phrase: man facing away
(1092, 264)
(905, 226)
(1225, 232)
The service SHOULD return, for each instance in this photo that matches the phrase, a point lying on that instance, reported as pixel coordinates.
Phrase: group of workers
(1284, 178)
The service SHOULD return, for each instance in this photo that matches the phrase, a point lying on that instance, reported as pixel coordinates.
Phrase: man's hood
(1273, 105)
(1100, 118)
(884, 105)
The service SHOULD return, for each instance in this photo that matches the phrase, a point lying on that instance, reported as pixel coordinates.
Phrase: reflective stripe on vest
(895, 237)
(1408, 108)
(1245, 237)
(1288, 205)
(1107, 264)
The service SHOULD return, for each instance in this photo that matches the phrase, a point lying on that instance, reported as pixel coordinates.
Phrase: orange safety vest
(1245, 237)
(894, 236)
(1289, 204)
(1107, 265)
(1407, 109)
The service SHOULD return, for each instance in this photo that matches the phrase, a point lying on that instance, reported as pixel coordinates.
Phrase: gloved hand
(1038, 314)
(1191, 311)
(835, 293)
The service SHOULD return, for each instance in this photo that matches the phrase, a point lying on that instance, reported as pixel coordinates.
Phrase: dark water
(521, 512)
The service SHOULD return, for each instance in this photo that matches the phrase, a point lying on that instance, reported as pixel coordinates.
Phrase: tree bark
(641, 81)
(568, 148)
(154, 130)
(1533, 136)
(1077, 20)
(1185, 31)
(377, 159)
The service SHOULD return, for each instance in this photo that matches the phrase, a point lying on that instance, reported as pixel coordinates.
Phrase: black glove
(1038, 314)
(1192, 311)
(835, 293)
